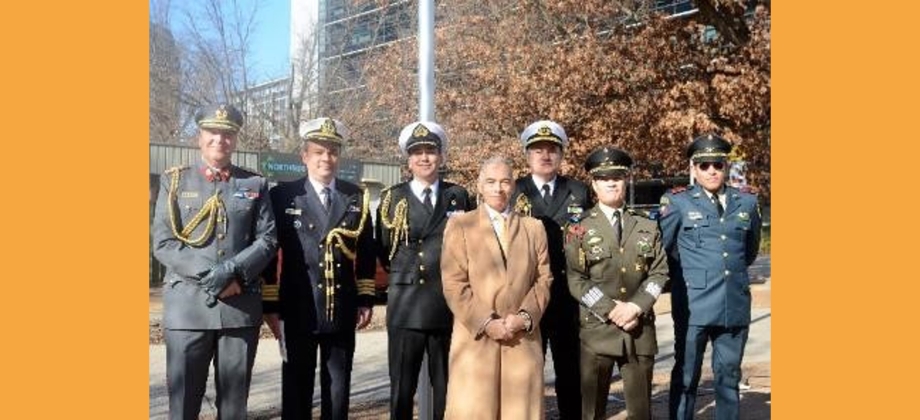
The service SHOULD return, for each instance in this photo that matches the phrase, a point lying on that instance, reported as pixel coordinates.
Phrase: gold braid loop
(210, 210)
(522, 205)
(336, 238)
(398, 225)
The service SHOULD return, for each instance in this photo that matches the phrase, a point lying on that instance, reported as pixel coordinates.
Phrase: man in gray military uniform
(617, 269)
(214, 231)
(410, 229)
(711, 233)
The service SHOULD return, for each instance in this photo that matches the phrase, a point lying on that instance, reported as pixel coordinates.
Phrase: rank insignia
(643, 246)
(744, 216)
(297, 224)
(596, 249)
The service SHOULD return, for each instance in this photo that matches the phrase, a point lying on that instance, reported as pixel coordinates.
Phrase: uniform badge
(246, 193)
(643, 246)
(453, 202)
(293, 211)
(745, 216)
(595, 240)
(188, 194)
(454, 213)
(575, 209)
(352, 208)
(639, 266)
(596, 249)
(694, 215)
(297, 224)
(653, 289)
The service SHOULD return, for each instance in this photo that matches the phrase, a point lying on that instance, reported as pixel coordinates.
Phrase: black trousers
(188, 355)
(336, 354)
(596, 371)
(406, 350)
(560, 328)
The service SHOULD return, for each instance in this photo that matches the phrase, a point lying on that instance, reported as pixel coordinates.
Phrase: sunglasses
(705, 165)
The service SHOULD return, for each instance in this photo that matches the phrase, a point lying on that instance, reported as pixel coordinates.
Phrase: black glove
(217, 279)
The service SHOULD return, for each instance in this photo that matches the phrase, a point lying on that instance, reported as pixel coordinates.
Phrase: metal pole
(425, 113)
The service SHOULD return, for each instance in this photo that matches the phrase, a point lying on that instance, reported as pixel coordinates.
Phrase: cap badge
(420, 131)
(221, 113)
(328, 127)
(544, 131)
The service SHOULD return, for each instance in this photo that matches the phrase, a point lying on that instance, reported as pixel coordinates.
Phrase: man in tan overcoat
(496, 277)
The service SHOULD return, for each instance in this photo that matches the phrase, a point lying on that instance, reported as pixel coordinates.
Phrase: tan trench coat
(488, 379)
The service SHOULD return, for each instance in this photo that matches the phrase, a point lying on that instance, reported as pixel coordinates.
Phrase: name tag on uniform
(454, 213)
(293, 211)
(188, 194)
(694, 215)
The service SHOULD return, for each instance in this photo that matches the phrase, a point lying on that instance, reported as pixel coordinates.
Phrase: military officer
(617, 269)
(411, 222)
(711, 233)
(214, 231)
(326, 288)
(555, 200)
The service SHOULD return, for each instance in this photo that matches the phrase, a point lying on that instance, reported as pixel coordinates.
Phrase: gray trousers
(188, 354)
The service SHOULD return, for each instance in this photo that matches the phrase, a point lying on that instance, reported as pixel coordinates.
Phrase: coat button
(320, 246)
(319, 286)
(723, 237)
(343, 223)
(721, 220)
(724, 255)
(221, 236)
(421, 268)
(220, 252)
(727, 272)
(622, 250)
(338, 286)
(623, 290)
(320, 265)
(421, 281)
(421, 254)
(337, 265)
(623, 269)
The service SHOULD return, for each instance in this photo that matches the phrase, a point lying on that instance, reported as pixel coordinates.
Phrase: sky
(271, 39)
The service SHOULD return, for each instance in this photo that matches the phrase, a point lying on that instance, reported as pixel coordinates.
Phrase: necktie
(617, 228)
(547, 196)
(718, 203)
(427, 200)
(325, 198)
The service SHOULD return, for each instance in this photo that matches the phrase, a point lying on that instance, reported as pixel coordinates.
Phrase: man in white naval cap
(410, 228)
(556, 200)
(326, 286)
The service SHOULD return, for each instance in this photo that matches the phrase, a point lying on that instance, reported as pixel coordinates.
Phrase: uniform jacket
(709, 255)
(416, 298)
(601, 271)
(570, 201)
(477, 284)
(243, 231)
(327, 259)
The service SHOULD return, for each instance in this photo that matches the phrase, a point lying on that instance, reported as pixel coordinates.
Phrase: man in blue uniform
(410, 228)
(556, 200)
(214, 231)
(327, 275)
(711, 233)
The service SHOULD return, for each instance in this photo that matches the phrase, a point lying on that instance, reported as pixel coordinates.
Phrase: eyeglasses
(705, 165)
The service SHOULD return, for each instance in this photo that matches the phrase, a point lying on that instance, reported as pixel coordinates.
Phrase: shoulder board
(680, 189)
(250, 171)
(637, 212)
(747, 189)
(179, 168)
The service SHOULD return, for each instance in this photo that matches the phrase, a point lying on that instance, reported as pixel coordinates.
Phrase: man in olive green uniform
(214, 231)
(617, 269)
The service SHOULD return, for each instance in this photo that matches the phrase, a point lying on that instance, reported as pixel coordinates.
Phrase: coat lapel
(439, 209)
(560, 195)
(302, 200)
(338, 205)
(629, 223)
(733, 200)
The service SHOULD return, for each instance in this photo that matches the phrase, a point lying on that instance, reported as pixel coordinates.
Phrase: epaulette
(679, 189)
(251, 171)
(179, 168)
(637, 212)
(747, 189)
